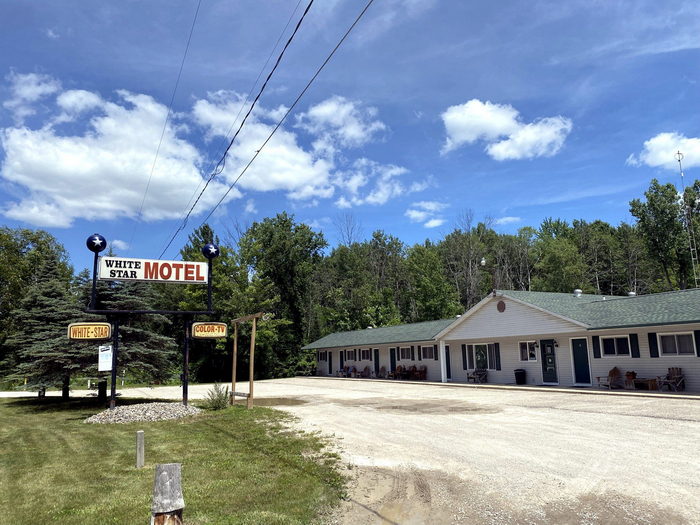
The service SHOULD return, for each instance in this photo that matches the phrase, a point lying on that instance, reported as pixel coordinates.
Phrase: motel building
(564, 339)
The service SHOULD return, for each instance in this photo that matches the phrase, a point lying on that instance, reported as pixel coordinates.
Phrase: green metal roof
(595, 311)
(403, 333)
(599, 311)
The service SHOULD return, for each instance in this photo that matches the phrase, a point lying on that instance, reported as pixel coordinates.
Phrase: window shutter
(497, 352)
(634, 345)
(420, 351)
(470, 355)
(464, 357)
(696, 333)
(435, 349)
(596, 347)
(413, 354)
(653, 345)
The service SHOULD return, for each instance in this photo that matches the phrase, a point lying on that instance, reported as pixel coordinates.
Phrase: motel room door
(392, 359)
(342, 359)
(330, 363)
(582, 372)
(376, 362)
(549, 361)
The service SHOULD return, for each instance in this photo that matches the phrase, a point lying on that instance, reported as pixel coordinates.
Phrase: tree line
(285, 268)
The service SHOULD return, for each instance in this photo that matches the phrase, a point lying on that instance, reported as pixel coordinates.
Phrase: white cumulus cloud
(27, 89)
(340, 123)
(102, 172)
(660, 152)
(507, 220)
(426, 212)
(500, 127)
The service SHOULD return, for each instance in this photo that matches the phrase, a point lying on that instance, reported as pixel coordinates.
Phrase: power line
(296, 101)
(167, 119)
(221, 164)
(247, 97)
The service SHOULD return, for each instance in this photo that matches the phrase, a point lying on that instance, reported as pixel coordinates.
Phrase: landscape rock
(144, 412)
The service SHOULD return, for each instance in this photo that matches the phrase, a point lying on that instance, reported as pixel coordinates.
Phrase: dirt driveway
(422, 453)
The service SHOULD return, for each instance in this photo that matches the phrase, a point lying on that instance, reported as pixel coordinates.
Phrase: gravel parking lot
(420, 453)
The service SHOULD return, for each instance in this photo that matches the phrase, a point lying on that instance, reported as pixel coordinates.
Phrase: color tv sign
(126, 269)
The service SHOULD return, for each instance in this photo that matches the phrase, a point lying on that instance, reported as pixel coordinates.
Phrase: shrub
(217, 397)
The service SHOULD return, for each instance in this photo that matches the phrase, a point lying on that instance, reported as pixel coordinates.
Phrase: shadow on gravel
(417, 406)
(56, 404)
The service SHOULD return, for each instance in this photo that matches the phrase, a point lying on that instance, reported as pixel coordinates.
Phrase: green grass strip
(238, 467)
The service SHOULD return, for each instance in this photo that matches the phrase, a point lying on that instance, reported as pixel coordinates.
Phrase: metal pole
(209, 284)
(251, 369)
(235, 358)
(186, 360)
(115, 352)
(93, 294)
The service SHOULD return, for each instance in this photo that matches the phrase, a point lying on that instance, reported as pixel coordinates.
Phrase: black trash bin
(520, 376)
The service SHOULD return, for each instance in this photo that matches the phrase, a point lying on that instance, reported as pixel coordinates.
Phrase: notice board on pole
(104, 363)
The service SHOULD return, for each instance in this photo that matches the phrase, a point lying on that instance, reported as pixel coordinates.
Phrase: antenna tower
(687, 215)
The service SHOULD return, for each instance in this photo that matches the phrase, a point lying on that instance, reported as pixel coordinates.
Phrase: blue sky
(516, 111)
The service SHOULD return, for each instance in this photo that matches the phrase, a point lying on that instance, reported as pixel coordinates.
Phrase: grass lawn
(238, 467)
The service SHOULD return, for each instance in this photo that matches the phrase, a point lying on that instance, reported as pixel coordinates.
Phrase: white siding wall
(432, 365)
(517, 320)
(645, 365)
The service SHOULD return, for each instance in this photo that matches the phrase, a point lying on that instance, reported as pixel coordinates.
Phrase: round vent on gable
(501, 306)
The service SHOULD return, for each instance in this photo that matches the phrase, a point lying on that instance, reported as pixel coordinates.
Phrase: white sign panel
(127, 269)
(104, 364)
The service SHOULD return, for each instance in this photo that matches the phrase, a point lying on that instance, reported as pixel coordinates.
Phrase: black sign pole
(186, 360)
(209, 284)
(115, 352)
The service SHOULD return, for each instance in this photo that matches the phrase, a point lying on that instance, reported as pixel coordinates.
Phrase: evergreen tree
(45, 356)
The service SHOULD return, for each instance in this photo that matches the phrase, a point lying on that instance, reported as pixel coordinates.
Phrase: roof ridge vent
(632, 294)
(578, 292)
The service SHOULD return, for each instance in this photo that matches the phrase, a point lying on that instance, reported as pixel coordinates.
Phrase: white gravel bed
(144, 412)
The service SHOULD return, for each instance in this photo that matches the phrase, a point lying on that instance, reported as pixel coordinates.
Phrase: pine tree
(46, 357)
(144, 351)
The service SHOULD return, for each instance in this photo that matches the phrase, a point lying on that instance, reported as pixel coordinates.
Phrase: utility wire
(247, 97)
(167, 119)
(221, 164)
(296, 101)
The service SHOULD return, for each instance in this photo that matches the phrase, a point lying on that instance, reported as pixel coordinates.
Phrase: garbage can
(520, 376)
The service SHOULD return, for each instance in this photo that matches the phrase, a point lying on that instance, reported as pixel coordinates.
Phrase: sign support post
(115, 353)
(235, 358)
(186, 360)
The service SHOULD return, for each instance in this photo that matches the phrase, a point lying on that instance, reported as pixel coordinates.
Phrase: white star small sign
(97, 241)
(213, 249)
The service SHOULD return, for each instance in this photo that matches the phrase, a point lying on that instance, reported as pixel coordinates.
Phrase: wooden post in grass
(167, 495)
(140, 449)
(251, 369)
(235, 358)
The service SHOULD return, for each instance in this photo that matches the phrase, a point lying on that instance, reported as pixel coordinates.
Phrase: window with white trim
(528, 350)
(323, 356)
(484, 355)
(405, 353)
(351, 355)
(615, 346)
(365, 355)
(428, 352)
(677, 344)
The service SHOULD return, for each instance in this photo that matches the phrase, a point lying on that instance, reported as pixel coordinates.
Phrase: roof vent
(578, 292)
(370, 327)
(631, 294)
(458, 316)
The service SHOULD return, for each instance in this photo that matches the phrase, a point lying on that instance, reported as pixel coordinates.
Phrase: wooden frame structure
(235, 323)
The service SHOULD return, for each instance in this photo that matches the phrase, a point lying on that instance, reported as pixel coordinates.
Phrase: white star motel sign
(128, 269)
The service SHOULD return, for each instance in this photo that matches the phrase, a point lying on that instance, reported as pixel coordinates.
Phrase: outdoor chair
(366, 373)
(422, 373)
(614, 379)
(478, 375)
(382, 372)
(674, 380)
(398, 373)
(412, 373)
